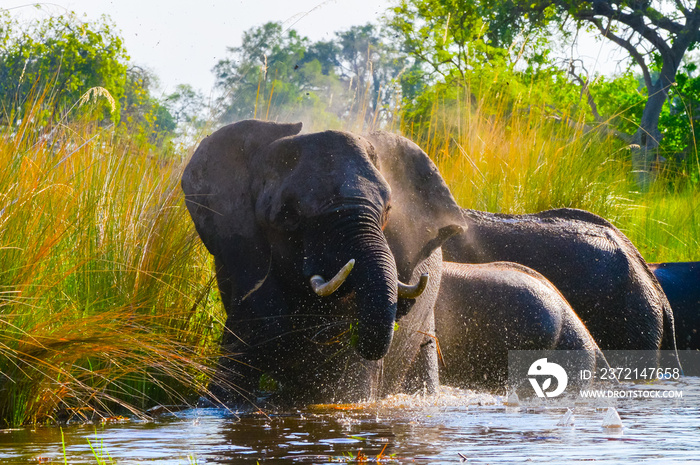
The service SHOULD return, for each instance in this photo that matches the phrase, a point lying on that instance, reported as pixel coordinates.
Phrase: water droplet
(567, 419)
(612, 419)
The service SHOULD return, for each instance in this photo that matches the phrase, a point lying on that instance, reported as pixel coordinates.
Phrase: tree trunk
(645, 151)
(647, 138)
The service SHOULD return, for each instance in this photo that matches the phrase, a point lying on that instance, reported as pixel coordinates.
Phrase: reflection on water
(451, 427)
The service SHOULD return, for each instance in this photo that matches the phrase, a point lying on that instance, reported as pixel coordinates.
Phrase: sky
(181, 41)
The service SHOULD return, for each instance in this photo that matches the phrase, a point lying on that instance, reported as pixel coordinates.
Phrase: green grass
(665, 224)
(106, 296)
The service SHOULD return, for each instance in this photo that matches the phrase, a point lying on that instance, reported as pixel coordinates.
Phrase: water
(451, 427)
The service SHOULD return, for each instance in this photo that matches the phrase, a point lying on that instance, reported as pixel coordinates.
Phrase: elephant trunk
(376, 300)
(373, 278)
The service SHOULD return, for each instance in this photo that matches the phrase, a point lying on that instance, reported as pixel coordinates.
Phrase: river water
(453, 426)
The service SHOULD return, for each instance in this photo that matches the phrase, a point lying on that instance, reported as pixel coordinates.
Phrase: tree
(655, 34)
(59, 59)
(185, 104)
(145, 116)
(456, 37)
(265, 64)
(681, 123)
(347, 78)
(458, 50)
(368, 59)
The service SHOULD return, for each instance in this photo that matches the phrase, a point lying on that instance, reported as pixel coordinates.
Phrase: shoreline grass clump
(107, 302)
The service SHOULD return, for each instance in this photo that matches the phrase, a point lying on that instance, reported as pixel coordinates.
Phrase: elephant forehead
(335, 164)
(338, 181)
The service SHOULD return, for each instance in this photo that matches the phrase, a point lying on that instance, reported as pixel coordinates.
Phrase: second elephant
(681, 283)
(597, 269)
(483, 311)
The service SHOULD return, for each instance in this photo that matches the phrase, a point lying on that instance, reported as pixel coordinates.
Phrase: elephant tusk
(325, 288)
(412, 292)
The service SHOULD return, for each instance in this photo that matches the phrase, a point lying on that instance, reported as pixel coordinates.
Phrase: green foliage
(448, 44)
(65, 57)
(185, 105)
(463, 41)
(145, 117)
(66, 63)
(456, 37)
(458, 61)
(680, 124)
(372, 61)
(269, 57)
(276, 73)
(621, 100)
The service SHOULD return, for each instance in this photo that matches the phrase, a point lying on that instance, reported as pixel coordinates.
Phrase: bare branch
(691, 33)
(585, 90)
(634, 21)
(658, 19)
(682, 8)
(631, 49)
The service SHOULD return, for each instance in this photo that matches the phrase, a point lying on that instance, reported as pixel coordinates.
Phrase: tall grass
(106, 296)
(665, 223)
(498, 159)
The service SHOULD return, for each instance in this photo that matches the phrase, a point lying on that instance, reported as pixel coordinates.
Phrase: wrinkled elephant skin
(282, 213)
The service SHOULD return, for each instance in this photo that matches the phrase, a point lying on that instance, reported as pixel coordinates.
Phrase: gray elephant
(681, 283)
(485, 310)
(313, 239)
(597, 269)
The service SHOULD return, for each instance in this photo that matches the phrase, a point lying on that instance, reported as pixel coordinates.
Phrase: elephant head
(282, 212)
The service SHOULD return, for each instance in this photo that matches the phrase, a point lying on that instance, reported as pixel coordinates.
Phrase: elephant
(485, 310)
(681, 283)
(314, 238)
(597, 269)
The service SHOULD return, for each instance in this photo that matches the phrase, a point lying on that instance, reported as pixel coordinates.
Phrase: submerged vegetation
(107, 297)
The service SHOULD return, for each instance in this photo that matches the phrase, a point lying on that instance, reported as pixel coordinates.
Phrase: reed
(107, 300)
(665, 223)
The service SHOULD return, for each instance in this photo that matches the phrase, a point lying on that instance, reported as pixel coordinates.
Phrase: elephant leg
(423, 374)
(412, 363)
(246, 356)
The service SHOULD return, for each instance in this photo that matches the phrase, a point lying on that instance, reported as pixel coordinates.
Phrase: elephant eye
(289, 217)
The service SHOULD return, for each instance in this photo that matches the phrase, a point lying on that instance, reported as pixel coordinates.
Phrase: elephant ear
(217, 183)
(423, 214)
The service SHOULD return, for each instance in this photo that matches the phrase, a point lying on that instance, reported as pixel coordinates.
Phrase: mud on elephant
(309, 235)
